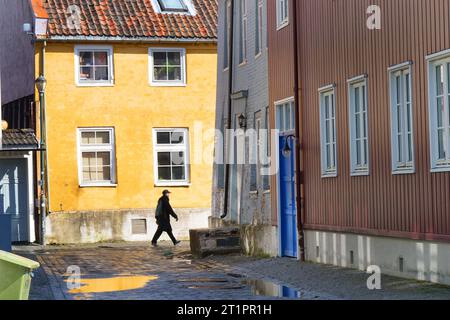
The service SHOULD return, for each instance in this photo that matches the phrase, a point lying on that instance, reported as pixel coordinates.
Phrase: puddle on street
(270, 289)
(207, 280)
(115, 284)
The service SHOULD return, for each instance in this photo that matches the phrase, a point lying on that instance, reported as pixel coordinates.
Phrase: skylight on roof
(173, 6)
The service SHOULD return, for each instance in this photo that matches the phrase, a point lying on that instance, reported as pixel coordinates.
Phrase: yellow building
(130, 93)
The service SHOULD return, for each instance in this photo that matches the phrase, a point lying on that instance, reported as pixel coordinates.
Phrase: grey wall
(253, 77)
(16, 51)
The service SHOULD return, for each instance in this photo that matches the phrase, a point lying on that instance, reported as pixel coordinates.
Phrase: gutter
(299, 135)
(127, 39)
(230, 109)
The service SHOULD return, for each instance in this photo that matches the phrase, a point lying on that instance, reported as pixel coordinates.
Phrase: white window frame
(283, 106)
(171, 148)
(167, 83)
(355, 169)
(405, 166)
(434, 60)
(94, 48)
(328, 172)
(111, 148)
(259, 28)
(191, 8)
(243, 32)
(282, 13)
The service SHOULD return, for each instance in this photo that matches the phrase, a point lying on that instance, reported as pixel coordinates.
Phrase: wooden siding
(281, 75)
(336, 45)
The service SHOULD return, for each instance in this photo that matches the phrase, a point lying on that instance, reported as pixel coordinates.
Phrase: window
(328, 132)
(259, 27)
(167, 67)
(171, 156)
(227, 34)
(401, 120)
(94, 65)
(243, 33)
(266, 177)
(96, 158)
(173, 6)
(359, 139)
(282, 13)
(285, 115)
(439, 105)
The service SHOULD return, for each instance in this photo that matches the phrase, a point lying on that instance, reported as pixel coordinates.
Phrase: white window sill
(282, 25)
(440, 169)
(172, 184)
(399, 172)
(258, 55)
(95, 84)
(243, 64)
(360, 173)
(266, 192)
(98, 185)
(168, 84)
(329, 175)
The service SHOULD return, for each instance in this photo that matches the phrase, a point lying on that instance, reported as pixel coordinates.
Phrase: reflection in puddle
(113, 284)
(270, 289)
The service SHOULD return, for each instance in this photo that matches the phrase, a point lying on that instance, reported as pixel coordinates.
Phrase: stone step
(219, 241)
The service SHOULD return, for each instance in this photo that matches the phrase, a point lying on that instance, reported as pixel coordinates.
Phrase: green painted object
(15, 276)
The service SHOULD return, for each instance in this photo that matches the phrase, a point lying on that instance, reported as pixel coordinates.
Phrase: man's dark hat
(166, 192)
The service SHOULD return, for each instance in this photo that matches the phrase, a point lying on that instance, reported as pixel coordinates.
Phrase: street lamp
(242, 121)
(41, 84)
(287, 148)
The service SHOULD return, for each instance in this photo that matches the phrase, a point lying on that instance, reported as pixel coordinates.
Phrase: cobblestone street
(138, 272)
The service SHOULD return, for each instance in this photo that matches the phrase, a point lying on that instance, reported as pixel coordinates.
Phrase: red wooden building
(371, 91)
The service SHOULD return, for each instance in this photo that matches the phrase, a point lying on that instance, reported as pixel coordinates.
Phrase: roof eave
(127, 39)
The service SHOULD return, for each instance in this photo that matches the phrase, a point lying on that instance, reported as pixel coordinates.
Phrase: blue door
(14, 196)
(288, 208)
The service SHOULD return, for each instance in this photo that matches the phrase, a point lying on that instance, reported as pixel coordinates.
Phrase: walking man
(163, 212)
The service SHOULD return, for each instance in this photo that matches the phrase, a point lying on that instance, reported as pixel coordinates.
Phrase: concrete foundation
(256, 240)
(120, 225)
(421, 260)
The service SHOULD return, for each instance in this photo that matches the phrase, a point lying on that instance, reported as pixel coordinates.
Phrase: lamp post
(41, 84)
(287, 148)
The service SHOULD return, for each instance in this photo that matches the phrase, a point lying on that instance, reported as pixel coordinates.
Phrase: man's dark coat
(164, 220)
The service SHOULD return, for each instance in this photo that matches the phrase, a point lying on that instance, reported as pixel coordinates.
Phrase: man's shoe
(154, 244)
(177, 242)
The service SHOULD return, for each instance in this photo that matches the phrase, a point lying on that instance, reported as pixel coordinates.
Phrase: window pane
(410, 151)
(88, 137)
(102, 137)
(164, 173)
(358, 126)
(177, 158)
(358, 152)
(441, 144)
(86, 58)
(87, 73)
(178, 173)
(88, 159)
(101, 58)
(104, 173)
(160, 58)
(160, 73)
(89, 174)
(174, 73)
(172, 5)
(408, 88)
(164, 158)
(103, 159)
(440, 112)
(357, 100)
(327, 131)
(174, 58)
(288, 116)
(398, 87)
(177, 138)
(439, 80)
(101, 73)
(163, 137)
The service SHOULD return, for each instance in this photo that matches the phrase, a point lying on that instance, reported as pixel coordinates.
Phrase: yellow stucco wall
(133, 108)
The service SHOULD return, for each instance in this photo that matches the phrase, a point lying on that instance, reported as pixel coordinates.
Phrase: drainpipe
(299, 135)
(230, 109)
(42, 128)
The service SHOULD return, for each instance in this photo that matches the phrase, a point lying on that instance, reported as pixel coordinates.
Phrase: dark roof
(16, 139)
(131, 19)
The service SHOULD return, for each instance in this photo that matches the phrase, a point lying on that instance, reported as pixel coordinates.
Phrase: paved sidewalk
(136, 271)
